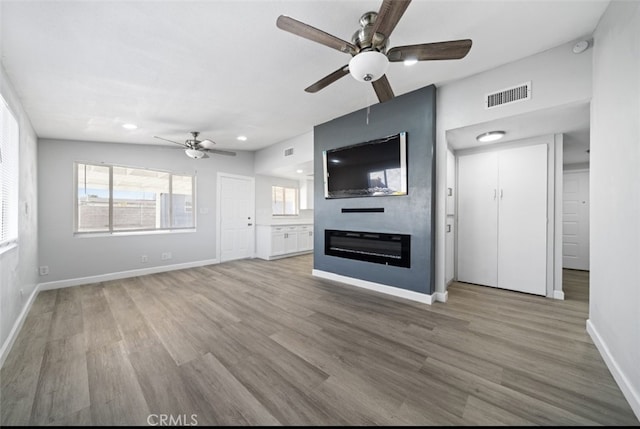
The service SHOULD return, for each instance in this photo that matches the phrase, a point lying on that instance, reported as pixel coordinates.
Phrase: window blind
(9, 139)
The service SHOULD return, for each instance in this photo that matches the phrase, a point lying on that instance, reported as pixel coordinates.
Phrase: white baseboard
(124, 274)
(631, 394)
(15, 330)
(389, 290)
(441, 296)
(558, 294)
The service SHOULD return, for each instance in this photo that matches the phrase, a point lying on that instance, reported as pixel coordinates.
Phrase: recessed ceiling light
(410, 61)
(299, 171)
(491, 136)
(130, 126)
(242, 138)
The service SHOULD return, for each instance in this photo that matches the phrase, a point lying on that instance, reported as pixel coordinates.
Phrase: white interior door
(575, 220)
(522, 219)
(236, 213)
(478, 219)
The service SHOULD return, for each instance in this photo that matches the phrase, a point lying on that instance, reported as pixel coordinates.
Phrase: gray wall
(72, 257)
(18, 265)
(411, 214)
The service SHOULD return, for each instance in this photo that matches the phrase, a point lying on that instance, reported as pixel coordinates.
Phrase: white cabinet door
(478, 218)
(277, 242)
(522, 219)
(305, 238)
(291, 239)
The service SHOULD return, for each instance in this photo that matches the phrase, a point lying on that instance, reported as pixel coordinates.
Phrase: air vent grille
(509, 95)
(288, 151)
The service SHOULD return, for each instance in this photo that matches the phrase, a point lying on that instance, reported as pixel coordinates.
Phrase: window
(284, 201)
(9, 139)
(112, 198)
(389, 178)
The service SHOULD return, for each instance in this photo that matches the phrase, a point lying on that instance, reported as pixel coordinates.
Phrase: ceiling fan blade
(383, 89)
(329, 79)
(388, 16)
(171, 141)
(311, 33)
(220, 152)
(451, 50)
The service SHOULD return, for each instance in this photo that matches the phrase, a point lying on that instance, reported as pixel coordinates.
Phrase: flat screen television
(371, 169)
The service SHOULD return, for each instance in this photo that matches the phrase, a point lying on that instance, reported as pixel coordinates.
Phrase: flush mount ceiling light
(491, 136)
(130, 126)
(194, 153)
(242, 138)
(368, 66)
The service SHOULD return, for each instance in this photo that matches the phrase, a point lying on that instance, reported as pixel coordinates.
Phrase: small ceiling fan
(368, 47)
(197, 149)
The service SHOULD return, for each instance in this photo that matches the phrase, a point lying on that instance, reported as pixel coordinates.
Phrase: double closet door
(502, 219)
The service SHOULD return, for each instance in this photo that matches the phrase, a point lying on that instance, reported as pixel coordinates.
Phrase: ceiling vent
(288, 151)
(509, 95)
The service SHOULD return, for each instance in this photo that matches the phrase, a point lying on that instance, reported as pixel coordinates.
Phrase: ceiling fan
(197, 149)
(368, 47)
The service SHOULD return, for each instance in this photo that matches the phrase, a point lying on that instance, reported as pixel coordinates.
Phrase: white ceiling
(82, 69)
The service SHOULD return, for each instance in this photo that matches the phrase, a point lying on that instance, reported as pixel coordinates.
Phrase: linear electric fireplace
(377, 247)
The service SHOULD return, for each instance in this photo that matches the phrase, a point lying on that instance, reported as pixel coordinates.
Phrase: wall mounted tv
(371, 169)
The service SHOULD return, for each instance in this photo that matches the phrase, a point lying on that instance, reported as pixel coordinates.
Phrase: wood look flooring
(257, 342)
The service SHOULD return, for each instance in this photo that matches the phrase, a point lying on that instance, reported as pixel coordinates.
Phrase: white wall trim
(389, 290)
(123, 274)
(631, 394)
(442, 296)
(11, 338)
(555, 261)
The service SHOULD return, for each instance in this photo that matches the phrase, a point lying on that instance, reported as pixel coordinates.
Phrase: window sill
(130, 233)
(6, 247)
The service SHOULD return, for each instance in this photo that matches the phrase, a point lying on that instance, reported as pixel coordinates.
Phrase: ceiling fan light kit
(368, 66)
(194, 153)
(368, 47)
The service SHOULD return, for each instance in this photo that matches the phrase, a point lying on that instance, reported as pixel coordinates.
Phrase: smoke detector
(580, 47)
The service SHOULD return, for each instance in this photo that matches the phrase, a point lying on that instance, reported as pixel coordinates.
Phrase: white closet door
(478, 219)
(522, 219)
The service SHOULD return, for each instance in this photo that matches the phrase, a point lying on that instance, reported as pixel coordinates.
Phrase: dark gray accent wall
(413, 214)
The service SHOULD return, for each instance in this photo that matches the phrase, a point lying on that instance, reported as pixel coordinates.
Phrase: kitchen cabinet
(276, 241)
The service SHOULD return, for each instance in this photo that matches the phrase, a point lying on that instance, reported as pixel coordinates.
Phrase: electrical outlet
(144, 259)
(44, 270)
(165, 256)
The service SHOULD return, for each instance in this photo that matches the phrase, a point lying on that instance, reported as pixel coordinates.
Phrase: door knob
(249, 224)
